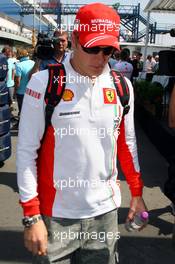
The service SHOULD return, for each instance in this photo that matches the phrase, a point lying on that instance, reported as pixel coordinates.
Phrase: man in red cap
(70, 202)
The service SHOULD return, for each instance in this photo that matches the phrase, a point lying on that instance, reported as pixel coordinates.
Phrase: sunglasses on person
(95, 50)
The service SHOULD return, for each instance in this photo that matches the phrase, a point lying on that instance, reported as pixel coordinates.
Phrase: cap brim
(93, 40)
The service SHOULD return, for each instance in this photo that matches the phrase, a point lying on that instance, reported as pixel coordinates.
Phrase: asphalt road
(154, 245)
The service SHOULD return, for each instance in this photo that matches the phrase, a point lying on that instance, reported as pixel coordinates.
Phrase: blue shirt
(44, 63)
(23, 69)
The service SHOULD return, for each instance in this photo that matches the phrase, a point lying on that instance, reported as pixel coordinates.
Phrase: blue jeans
(81, 241)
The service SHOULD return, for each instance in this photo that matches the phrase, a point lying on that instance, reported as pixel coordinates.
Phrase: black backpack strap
(55, 89)
(122, 89)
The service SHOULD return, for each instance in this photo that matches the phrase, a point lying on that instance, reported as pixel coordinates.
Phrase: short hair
(149, 57)
(6, 48)
(124, 54)
(22, 53)
(60, 33)
(127, 50)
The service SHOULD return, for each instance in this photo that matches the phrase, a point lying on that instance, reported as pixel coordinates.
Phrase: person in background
(90, 102)
(137, 64)
(11, 72)
(114, 58)
(156, 64)
(169, 186)
(5, 142)
(129, 55)
(149, 64)
(60, 46)
(172, 109)
(23, 68)
(123, 65)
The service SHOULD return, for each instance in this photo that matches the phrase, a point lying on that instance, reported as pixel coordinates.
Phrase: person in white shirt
(150, 63)
(71, 194)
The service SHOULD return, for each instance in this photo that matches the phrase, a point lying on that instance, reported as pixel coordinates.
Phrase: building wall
(8, 24)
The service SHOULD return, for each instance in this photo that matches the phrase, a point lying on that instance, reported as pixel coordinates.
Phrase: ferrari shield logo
(109, 96)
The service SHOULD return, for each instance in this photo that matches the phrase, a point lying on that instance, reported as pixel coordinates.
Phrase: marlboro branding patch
(109, 96)
(33, 93)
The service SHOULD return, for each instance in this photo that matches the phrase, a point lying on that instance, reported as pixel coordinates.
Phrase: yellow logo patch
(109, 96)
(67, 95)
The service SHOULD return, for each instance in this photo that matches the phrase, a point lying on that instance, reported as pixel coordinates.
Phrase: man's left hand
(137, 205)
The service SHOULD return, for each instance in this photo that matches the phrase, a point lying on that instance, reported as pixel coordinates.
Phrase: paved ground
(151, 246)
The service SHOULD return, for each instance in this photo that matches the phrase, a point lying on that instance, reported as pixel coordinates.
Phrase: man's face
(138, 56)
(8, 53)
(60, 43)
(90, 64)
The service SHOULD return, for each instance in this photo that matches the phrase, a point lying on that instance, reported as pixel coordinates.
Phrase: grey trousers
(81, 241)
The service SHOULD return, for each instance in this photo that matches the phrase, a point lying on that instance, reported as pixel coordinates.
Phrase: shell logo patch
(109, 96)
(67, 95)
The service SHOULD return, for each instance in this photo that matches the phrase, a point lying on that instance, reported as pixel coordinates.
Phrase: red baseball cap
(97, 25)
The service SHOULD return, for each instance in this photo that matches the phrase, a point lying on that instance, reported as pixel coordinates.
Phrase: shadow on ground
(12, 248)
(9, 179)
(143, 250)
(133, 250)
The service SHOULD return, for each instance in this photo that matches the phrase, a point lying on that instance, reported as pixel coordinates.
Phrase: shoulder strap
(122, 89)
(55, 89)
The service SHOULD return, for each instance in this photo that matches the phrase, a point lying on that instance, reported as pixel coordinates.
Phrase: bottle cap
(144, 215)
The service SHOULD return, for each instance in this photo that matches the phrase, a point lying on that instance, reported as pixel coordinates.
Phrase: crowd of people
(22, 64)
(46, 157)
(132, 65)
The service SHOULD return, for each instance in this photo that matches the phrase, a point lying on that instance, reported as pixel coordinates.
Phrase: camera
(172, 32)
(44, 48)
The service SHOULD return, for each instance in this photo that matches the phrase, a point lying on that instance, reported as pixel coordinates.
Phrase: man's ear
(74, 39)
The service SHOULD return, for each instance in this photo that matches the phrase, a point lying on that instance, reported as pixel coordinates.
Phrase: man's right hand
(35, 238)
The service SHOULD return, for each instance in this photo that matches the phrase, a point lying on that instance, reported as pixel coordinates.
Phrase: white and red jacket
(76, 175)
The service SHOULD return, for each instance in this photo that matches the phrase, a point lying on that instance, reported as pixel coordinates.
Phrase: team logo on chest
(68, 95)
(109, 96)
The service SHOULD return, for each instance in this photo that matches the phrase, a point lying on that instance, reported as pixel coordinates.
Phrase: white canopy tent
(160, 6)
(156, 6)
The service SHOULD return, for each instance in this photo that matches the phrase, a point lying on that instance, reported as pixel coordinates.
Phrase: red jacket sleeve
(127, 155)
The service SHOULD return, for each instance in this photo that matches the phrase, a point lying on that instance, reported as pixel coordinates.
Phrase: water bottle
(137, 222)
